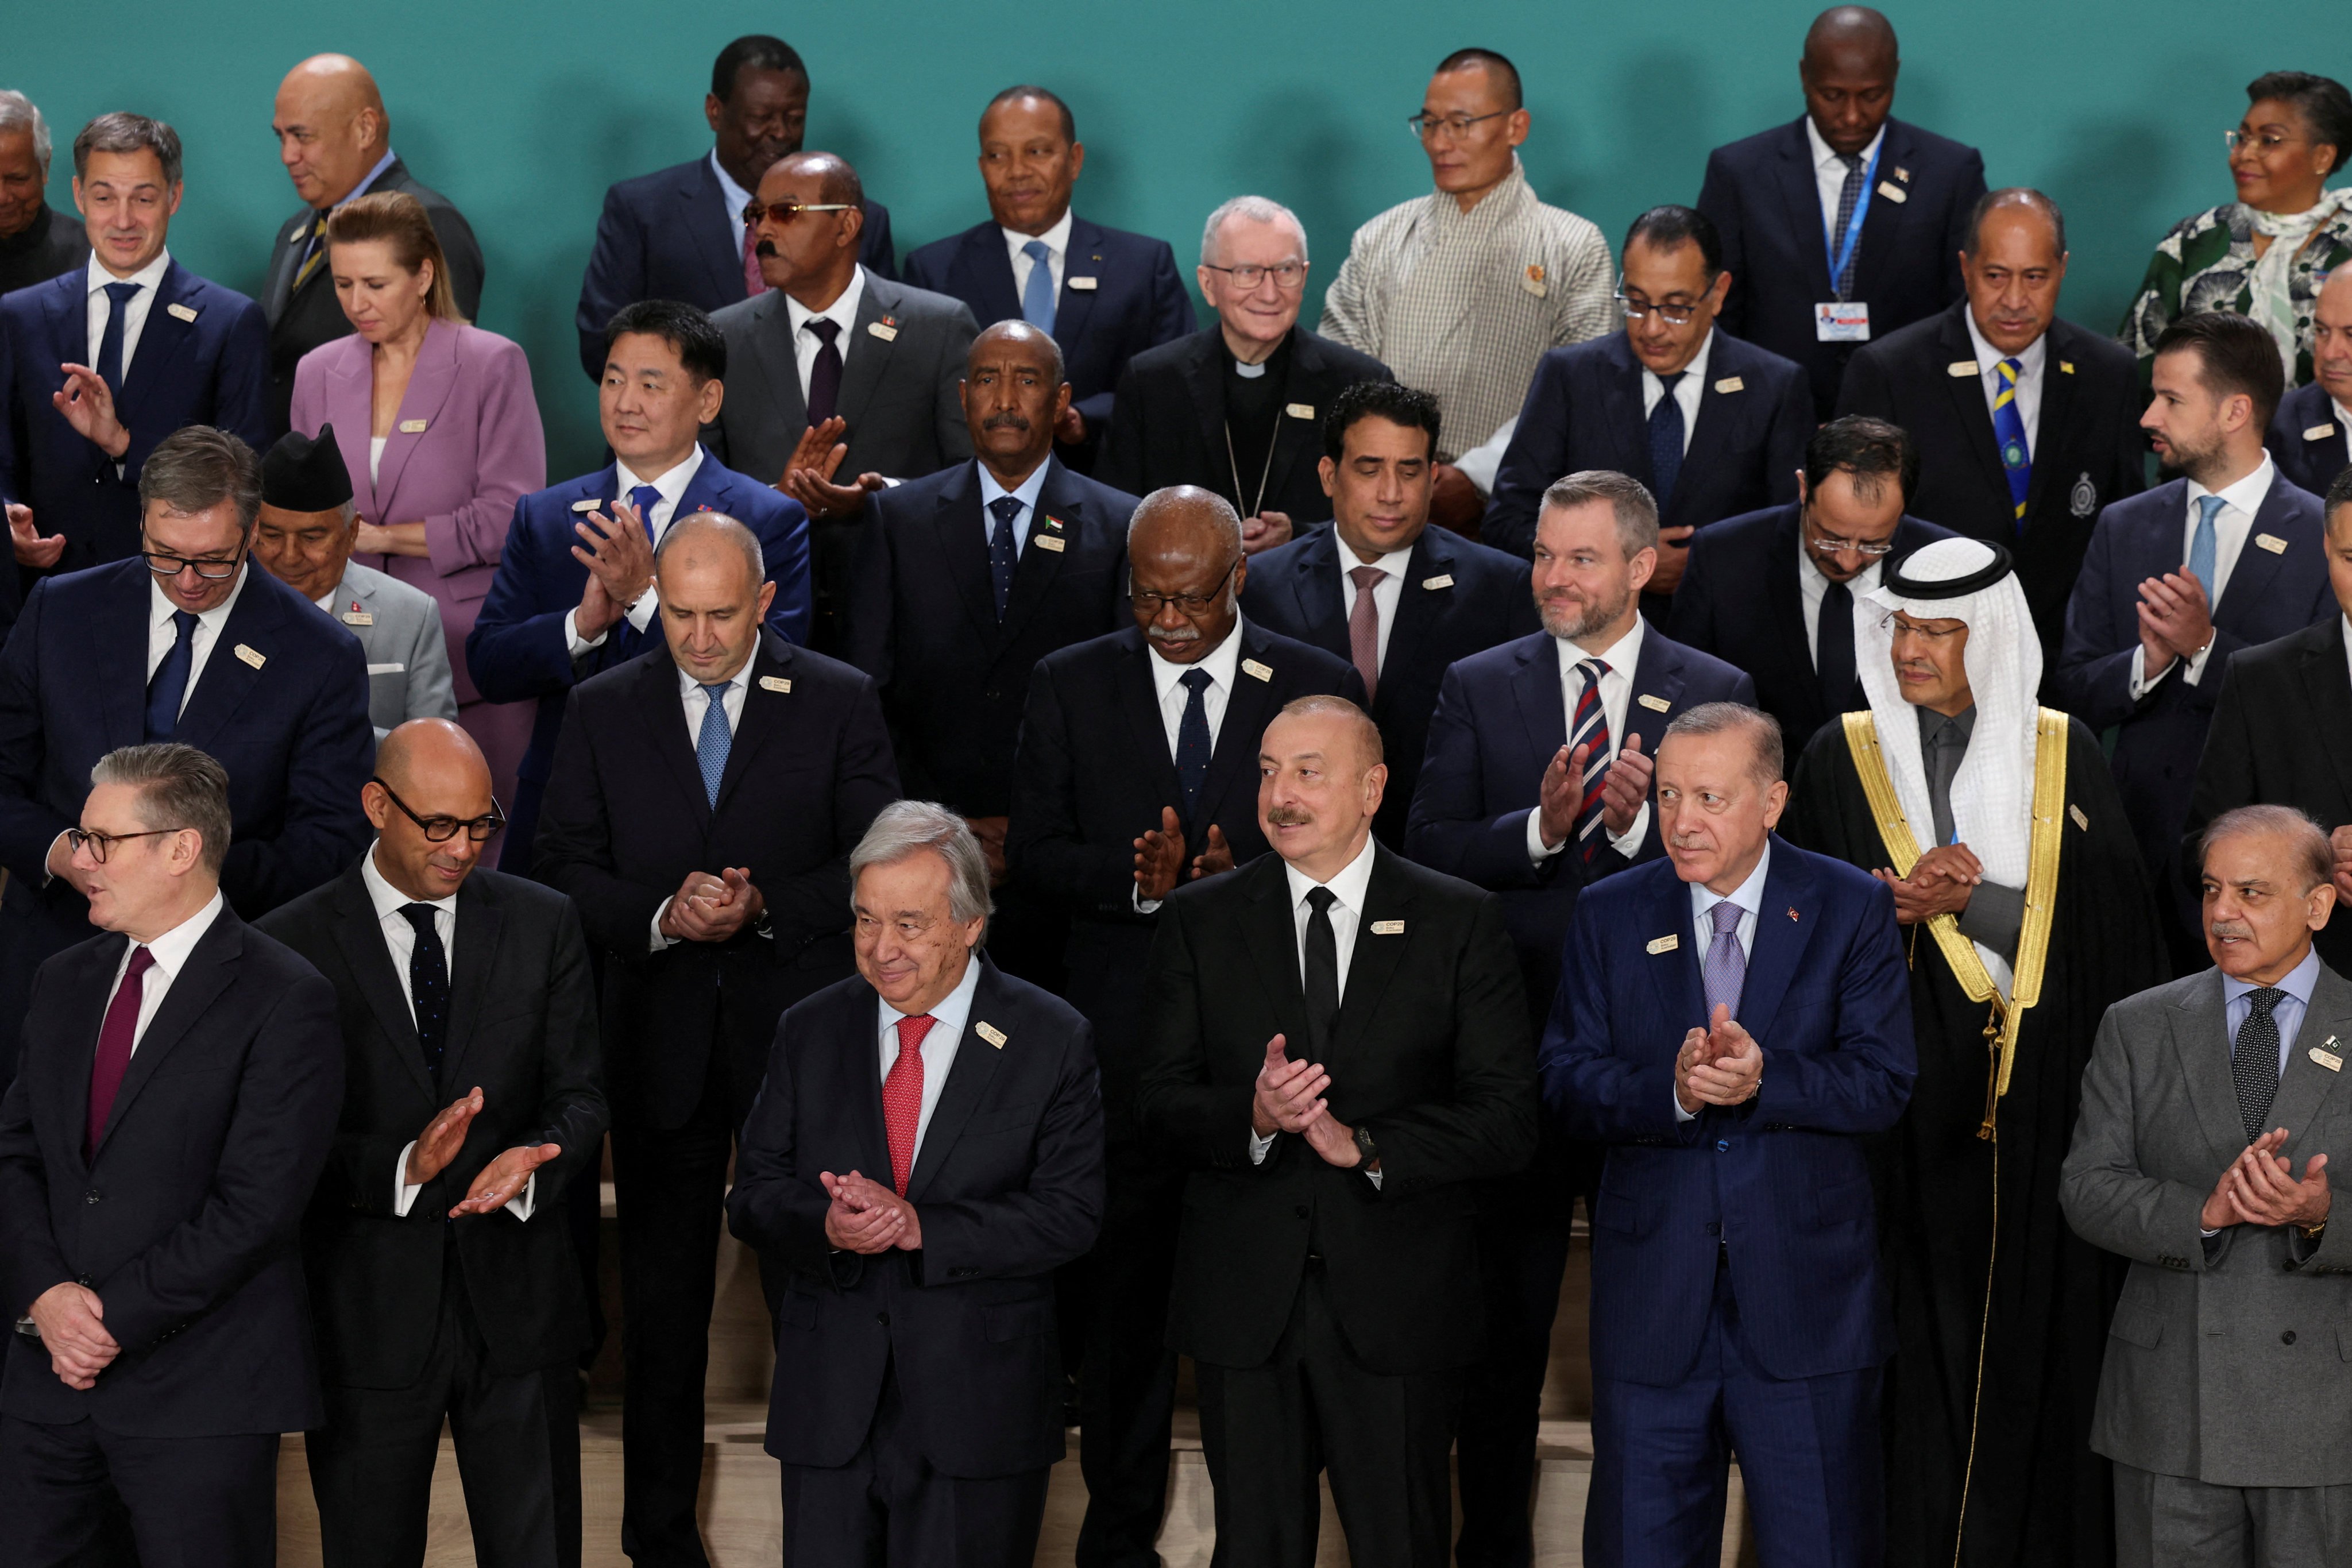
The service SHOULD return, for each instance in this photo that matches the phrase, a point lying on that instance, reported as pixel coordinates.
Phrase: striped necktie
(2009, 429)
(1592, 727)
(313, 257)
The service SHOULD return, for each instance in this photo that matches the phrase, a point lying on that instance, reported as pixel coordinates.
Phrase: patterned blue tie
(1666, 440)
(2009, 429)
(1037, 296)
(644, 498)
(110, 341)
(1193, 746)
(2204, 546)
(167, 689)
(711, 744)
(1725, 973)
(1004, 550)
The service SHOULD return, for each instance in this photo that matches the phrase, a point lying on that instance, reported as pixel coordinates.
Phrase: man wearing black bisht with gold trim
(1997, 827)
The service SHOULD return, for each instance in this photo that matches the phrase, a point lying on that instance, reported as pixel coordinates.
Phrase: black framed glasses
(1289, 277)
(211, 570)
(101, 844)
(1637, 309)
(1188, 605)
(441, 829)
(756, 213)
(1426, 125)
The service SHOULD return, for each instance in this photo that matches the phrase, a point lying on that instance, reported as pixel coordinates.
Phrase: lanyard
(1842, 255)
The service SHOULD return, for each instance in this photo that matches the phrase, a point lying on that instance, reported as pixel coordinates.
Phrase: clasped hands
(497, 1184)
(867, 1217)
(1719, 1065)
(2259, 1187)
(1288, 1098)
(1940, 883)
(808, 472)
(2176, 621)
(1160, 862)
(712, 909)
(619, 554)
(1624, 789)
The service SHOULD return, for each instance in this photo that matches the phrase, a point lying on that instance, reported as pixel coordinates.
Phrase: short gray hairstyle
(728, 529)
(1720, 718)
(907, 828)
(196, 468)
(2308, 840)
(125, 132)
(179, 787)
(1221, 514)
(1629, 498)
(1257, 209)
(18, 112)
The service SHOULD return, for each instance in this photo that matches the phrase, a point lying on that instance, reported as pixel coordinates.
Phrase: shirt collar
(1219, 662)
(1621, 655)
(843, 310)
(148, 277)
(367, 184)
(1748, 894)
(160, 608)
(1394, 562)
(741, 680)
(171, 950)
(737, 198)
(2247, 495)
(1348, 887)
(2297, 984)
(954, 1008)
(1825, 158)
(2029, 358)
(388, 899)
(1056, 238)
(1026, 493)
(1694, 372)
(672, 484)
(1931, 723)
(1818, 581)
(2343, 415)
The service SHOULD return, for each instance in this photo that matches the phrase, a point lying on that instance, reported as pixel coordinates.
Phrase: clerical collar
(1279, 359)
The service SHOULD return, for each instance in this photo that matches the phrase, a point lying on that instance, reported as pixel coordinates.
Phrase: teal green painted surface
(523, 112)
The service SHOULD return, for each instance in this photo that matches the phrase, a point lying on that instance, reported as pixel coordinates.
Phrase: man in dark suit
(1337, 1047)
(1104, 294)
(1712, 426)
(1762, 591)
(151, 1186)
(917, 1406)
(1726, 1315)
(574, 591)
(1846, 223)
(1234, 409)
(335, 140)
(1137, 774)
(2178, 579)
(2311, 434)
(841, 374)
(1382, 587)
(1537, 782)
(2025, 425)
(443, 1286)
(100, 365)
(704, 802)
(680, 233)
(37, 240)
(194, 644)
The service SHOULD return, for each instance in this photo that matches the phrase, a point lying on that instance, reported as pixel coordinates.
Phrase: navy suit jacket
(1584, 411)
(186, 1219)
(2308, 440)
(667, 235)
(1121, 294)
(1829, 1001)
(209, 367)
(1762, 197)
(1742, 600)
(1501, 717)
(517, 652)
(1008, 1186)
(2158, 739)
(1458, 599)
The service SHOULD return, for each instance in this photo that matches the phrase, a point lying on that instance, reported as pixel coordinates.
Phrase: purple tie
(1725, 973)
(116, 1037)
(824, 376)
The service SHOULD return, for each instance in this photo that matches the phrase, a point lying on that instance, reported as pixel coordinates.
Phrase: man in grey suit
(2211, 1111)
(857, 376)
(304, 538)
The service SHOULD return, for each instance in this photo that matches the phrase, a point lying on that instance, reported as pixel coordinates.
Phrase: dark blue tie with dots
(429, 986)
(1004, 551)
(1192, 749)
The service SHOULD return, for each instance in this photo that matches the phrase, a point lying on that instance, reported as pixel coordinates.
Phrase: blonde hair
(400, 221)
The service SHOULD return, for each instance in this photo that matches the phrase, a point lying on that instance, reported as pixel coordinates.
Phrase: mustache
(1188, 634)
(1687, 840)
(1006, 419)
(765, 247)
(1289, 815)
(2232, 929)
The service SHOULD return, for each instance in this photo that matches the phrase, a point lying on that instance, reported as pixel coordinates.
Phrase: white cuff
(641, 614)
(1629, 843)
(1375, 1175)
(1680, 1114)
(573, 639)
(1258, 1146)
(2197, 666)
(403, 1196)
(659, 940)
(1143, 906)
(1537, 850)
(2142, 683)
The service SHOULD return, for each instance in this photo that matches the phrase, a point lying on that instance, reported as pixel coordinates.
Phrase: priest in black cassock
(1997, 825)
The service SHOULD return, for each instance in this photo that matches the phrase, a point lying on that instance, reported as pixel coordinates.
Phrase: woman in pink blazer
(438, 427)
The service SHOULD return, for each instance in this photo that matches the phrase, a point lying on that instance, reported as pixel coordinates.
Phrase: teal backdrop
(523, 110)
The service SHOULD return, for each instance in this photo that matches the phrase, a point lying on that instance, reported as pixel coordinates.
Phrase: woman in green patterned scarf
(2265, 254)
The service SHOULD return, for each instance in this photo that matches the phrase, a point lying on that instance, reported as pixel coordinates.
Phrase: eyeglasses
(2268, 141)
(1187, 605)
(441, 829)
(1426, 125)
(101, 844)
(1829, 544)
(1672, 315)
(1887, 623)
(212, 571)
(756, 213)
(1288, 276)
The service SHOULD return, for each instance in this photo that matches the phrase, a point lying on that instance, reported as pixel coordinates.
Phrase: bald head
(330, 126)
(1844, 27)
(836, 181)
(715, 595)
(1018, 339)
(426, 754)
(1185, 572)
(430, 778)
(1848, 71)
(1187, 518)
(712, 542)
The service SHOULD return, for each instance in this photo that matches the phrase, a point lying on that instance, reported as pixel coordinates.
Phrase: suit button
(90, 1196)
(883, 1318)
(1300, 1211)
(2288, 1338)
(1723, 1145)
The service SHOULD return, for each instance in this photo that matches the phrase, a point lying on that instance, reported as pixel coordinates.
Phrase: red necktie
(753, 284)
(902, 1099)
(115, 1038)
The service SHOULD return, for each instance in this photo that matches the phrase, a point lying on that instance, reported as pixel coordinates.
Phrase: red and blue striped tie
(1592, 727)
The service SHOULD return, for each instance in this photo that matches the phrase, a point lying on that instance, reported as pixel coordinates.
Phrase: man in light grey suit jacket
(2215, 1111)
(835, 373)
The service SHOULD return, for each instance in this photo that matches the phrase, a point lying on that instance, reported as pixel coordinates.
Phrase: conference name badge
(358, 619)
(2320, 432)
(1087, 284)
(1052, 542)
(2327, 1058)
(2080, 820)
(591, 504)
(883, 330)
(1729, 384)
(413, 426)
(1387, 928)
(1446, 581)
(1961, 369)
(1299, 410)
(387, 669)
(1893, 192)
(1841, 321)
(1664, 945)
(2272, 542)
(247, 652)
(991, 1033)
(1256, 670)
(1653, 702)
(185, 312)
(775, 683)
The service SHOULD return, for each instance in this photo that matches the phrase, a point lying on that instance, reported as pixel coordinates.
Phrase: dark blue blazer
(1137, 299)
(1584, 411)
(2308, 440)
(517, 650)
(1501, 717)
(1008, 1186)
(1741, 600)
(2158, 739)
(668, 235)
(187, 1220)
(210, 368)
(1783, 1176)
(1459, 598)
(1761, 195)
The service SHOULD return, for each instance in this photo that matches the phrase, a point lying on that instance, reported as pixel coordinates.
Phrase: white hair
(907, 828)
(18, 112)
(1257, 209)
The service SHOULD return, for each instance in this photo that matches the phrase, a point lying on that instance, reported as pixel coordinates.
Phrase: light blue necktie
(1037, 296)
(710, 746)
(2203, 547)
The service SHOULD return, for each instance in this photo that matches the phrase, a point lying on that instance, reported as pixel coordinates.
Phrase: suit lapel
(977, 1058)
(1629, 428)
(161, 339)
(1542, 697)
(1073, 306)
(117, 649)
(89, 977)
(229, 674)
(1248, 710)
(1382, 931)
(767, 714)
(660, 708)
(1657, 673)
(1784, 929)
(207, 974)
(987, 266)
(1419, 605)
(278, 287)
(1139, 699)
(1674, 970)
(2053, 425)
(2200, 1043)
(1272, 938)
(2304, 1084)
(350, 397)
(771, 345)
(429, 385)
(1967, 395)
(959, 527)
(1886, 218)
(359, 934)
(2257, 568)
(1296, 441)
(470, 968)
(865, 358)
(1784, 596)
(1719, 413)
(712, 229)
(1802, 195)
(1204, 381)
(2329, 697)
(1314, 589)
(1058, 515)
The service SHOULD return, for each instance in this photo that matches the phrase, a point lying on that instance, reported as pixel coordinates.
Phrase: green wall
(523, 112)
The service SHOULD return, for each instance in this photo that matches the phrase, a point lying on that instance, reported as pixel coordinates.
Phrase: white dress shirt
(939, 1048)
(134, 314)
(696, 703)
(841, 314)
(2231, 527)
(169, 952)
(672, 486)
(1749, 897)
(1829, 177)
(1813, 586)
(1057, 255)
(1386, 592)
(2031, 359)
(1688, 391)
(163, 632)
(1621, 657)
(991, 493)
(1348, 888)
(400, 942)
(1166, 682)
(736, 198)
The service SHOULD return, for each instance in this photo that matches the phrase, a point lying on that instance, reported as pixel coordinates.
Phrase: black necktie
(167, 689)
(1849, 197)
(2254, 1061)
(1666, 440)
(429, 986)
(1322, 969)
(110, 365)
(1193, 747)
(1004, 551)
(824, 376)
(1834, 639)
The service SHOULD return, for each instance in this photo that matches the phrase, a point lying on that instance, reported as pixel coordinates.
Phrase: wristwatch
(1366, 1147)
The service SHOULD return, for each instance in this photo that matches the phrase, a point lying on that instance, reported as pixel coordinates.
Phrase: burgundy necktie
(753, 284)
(115, 1038)
(1364, 627)
(902, 1099)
